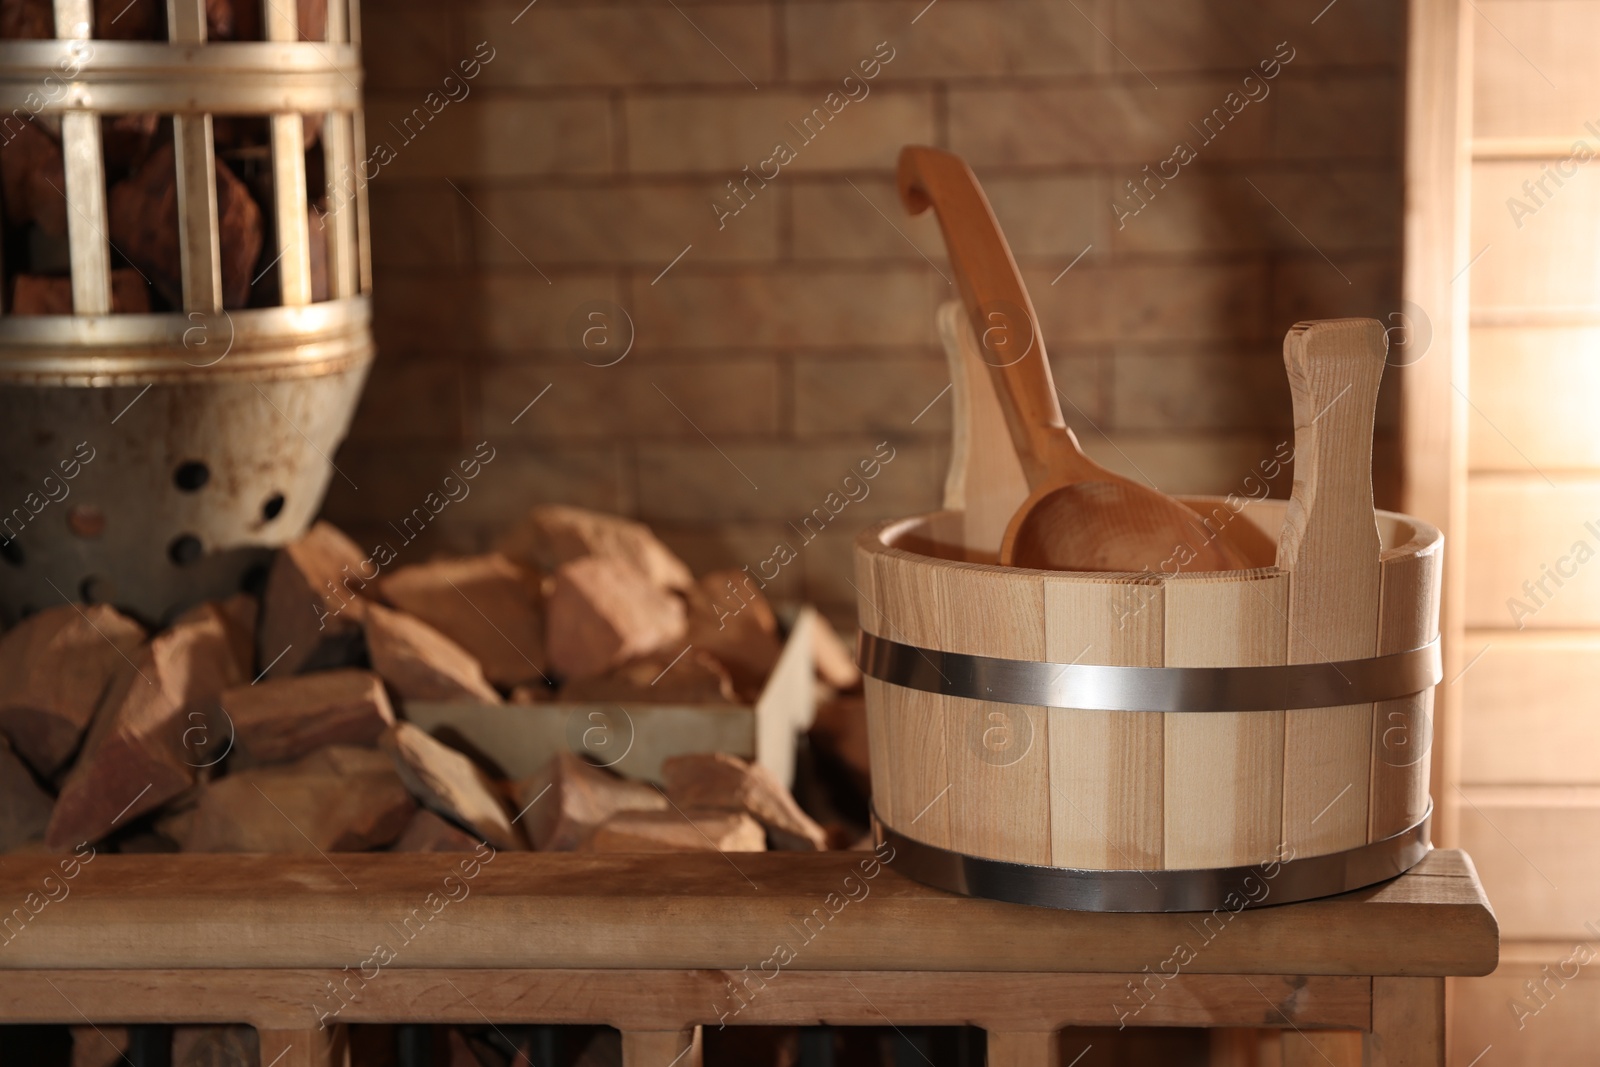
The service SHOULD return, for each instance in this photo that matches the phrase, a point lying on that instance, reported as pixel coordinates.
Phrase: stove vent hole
(272, 508)
(184, 549)
(191, 477)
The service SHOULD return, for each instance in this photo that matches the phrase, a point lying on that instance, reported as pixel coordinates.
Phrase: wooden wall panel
(1534, 71)
(1531, 386)
(1532, 709)
(1535, 850)
(1524, 532)
(1553, 1027)
(1530, 260)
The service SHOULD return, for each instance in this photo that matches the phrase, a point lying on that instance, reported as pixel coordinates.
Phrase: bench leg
(1317, 1048)
(661, 1048)
(1407, 1023)
(306, 1048)
(1023, 1049)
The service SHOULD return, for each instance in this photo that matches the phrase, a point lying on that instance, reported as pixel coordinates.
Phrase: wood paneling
(1532, 551)
(1532, 708)
(1530, 388)
(1535, 847)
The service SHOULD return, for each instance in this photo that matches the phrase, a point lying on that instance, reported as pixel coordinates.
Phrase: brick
(1077, 307)
(488, 605)
(1095, 125)
(312, 608)
(957, 39)
(570, 797)
(647, 225)
(1175, 391)
(498, 312)
(718, 780)
(732, 544)
(1235, 37)
(1195, 302)
(1533, 75)
(1307, 288)
(55, 668)
(685, 483)
(603, 612)
(876, 397)
(723, 132)
(859, 219)
(1340, 119)
(410, 47)
(1193, 463)
(1533, 264)
(417, 224)
(1051, 217)
(672, 831)
(412, 398)
(450, 784)
(420, 663)
(24, 805)
(338, 799)
(641, 397)
(486, 137)
(277, 720)
(1333, 210)
(629, 44)
(789, 308)
(551, 535)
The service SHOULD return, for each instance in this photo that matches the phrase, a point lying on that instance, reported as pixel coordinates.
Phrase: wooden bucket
(1160, 741)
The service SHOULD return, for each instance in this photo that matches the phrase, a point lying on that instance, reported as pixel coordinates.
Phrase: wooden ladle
(1078, 516)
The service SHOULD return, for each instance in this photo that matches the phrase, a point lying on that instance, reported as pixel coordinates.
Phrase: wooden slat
(661, 1048)
(985, 480)
(1535, 391)
(289, 207)
(1320, 1048)
(74, 19)
(1433, 414)
(1223, 798)
(1553, 1024)
(662, 1000)
(1533, 67)
(997, 756)
(1407, 1023)
(358, 125)
(1532, 708)
(1330, 546)
(339, 222)
(1535, 847)
(1105, 766)
(1402, 730)
(198, 239)
(87, 244)
(528, 910)
(1524, 532)
(914, 722)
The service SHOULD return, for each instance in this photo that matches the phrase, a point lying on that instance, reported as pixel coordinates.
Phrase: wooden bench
(659, 946)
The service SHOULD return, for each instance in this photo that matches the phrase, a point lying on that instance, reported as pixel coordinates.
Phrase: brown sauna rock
(24, 805)
(240, 20)
(27, 20)
(312, 608)
(143, 217)
(100, 1045)
(553, 534)
(603, 612)
(238, 615)
(338, 799)
(836, 663)
(695, 677)
(673, 831)
(285, 718)
(450, 784)
(216, 1046)
(128, 20)
(569, 798)
(488, 605)
(718, 780)
(50, 294)
(420, 663)
(55, 668)
(427, 832)
(729, 618)
(840, 733)
(31, 176)
(128, 139)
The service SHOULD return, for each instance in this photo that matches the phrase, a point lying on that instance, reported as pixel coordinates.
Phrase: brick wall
(794, 336)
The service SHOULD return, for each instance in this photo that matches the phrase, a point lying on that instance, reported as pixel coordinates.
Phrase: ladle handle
(997, 303)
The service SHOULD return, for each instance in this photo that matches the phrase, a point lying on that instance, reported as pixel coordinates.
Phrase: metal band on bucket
(1277, 881)
(1092, 687)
